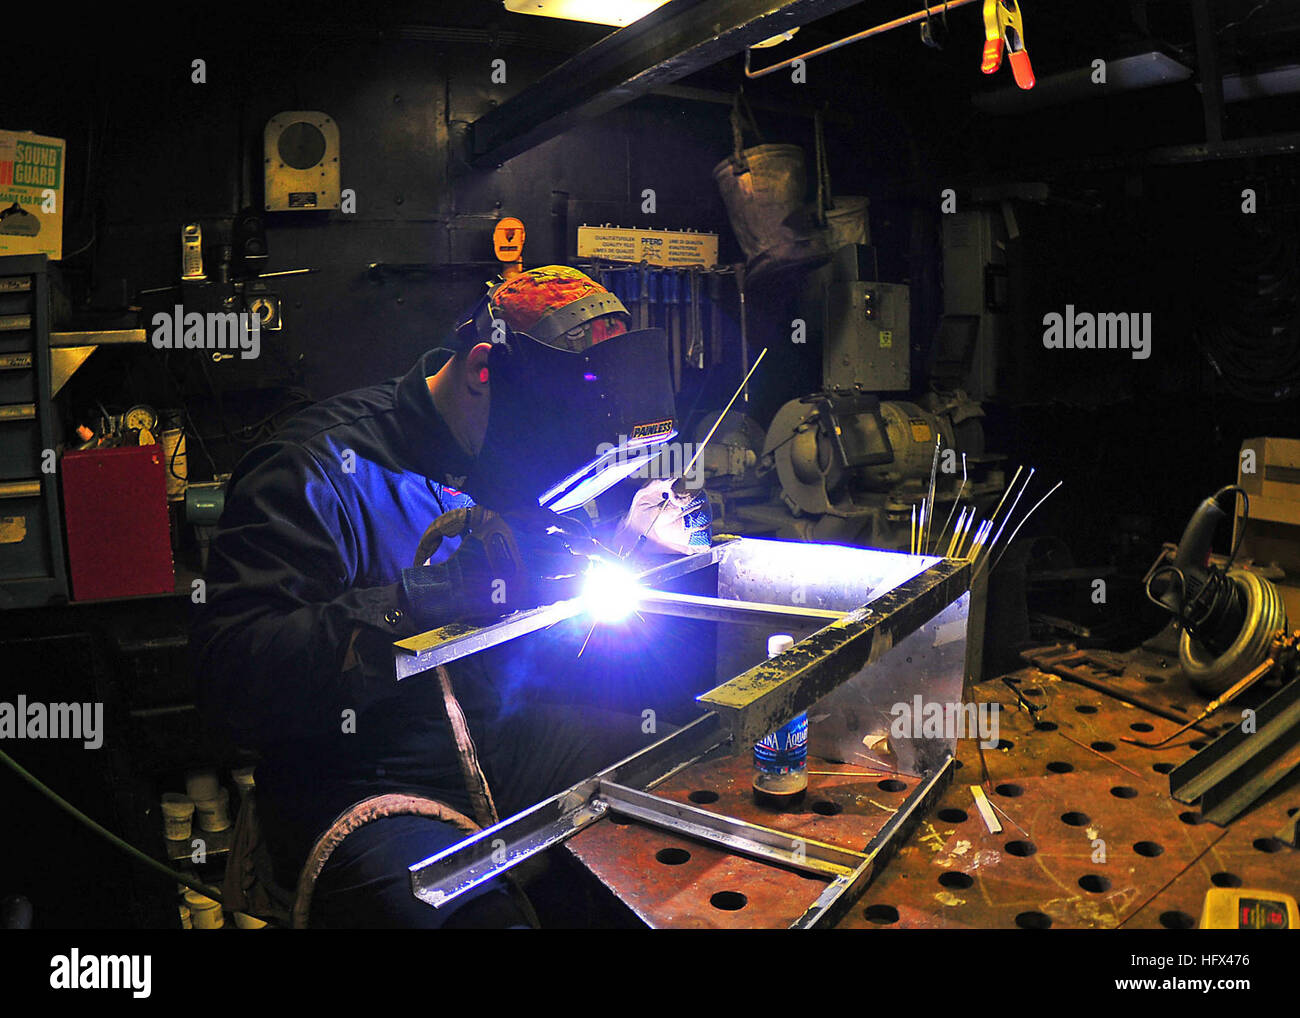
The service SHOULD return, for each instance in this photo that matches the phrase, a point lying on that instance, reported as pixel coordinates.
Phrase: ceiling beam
(678, 39)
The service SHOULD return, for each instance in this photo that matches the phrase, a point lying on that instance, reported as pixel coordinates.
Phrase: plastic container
(247, 922)
(781, 758)
(175, 463)
(178, 814)
(205, 914)
(187, 923)
(214, 814)
(201, 785)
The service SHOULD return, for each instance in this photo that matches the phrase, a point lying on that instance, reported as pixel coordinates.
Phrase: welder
(313, 575)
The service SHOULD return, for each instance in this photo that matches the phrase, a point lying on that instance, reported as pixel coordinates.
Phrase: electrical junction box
(975, 289)
(31, 194)
(867, 338)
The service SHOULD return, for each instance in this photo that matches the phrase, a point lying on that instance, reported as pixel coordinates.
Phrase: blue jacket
(292, 648)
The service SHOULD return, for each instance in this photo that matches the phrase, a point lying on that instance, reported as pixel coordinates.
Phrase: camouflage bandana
(530, 297)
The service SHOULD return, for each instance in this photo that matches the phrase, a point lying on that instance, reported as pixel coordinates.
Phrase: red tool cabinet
(115, 512)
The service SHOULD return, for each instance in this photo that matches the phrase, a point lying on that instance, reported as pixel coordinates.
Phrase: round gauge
(144, 420)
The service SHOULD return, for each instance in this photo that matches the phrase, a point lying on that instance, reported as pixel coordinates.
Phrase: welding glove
(505, 563)
(667, 518)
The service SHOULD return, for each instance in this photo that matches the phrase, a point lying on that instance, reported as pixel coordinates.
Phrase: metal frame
(770, 694)
(665, 46)
(487, 855)
(744, 709)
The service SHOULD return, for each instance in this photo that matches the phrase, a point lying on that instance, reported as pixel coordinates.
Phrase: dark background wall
(1137, 443)
(148, 151)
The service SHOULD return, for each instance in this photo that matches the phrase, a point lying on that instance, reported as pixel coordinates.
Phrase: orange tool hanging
(1003, 25)
(508, 244)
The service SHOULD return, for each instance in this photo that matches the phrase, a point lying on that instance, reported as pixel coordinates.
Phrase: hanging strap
(825, 201)
(741, 117)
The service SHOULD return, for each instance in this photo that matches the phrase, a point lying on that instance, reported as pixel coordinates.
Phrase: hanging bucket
(763, 189)
(846, 223)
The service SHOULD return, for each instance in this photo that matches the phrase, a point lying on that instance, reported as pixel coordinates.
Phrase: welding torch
(666, 497)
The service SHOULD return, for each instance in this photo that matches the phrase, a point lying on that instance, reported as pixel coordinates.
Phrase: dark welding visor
(566, 425)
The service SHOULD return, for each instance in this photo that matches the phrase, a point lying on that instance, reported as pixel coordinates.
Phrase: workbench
(1091, 837)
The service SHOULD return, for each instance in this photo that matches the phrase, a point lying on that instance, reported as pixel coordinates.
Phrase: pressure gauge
(143, 420)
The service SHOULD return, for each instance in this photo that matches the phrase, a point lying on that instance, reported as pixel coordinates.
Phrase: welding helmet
(578, 403)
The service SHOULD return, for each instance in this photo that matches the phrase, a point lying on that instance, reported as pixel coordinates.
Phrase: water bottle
(781, 758)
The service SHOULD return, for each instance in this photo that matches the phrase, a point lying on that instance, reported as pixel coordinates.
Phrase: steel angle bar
(418, 654)
(771, 693)
(490, 853)
(1238, 767)
(722, 609)
(780, 847)
(842, 892)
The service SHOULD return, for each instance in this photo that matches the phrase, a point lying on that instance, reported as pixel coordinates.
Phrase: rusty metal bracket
(1074, 665)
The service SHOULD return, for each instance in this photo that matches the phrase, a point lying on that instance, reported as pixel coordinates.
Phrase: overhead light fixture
(617, 13)
(776, 40)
